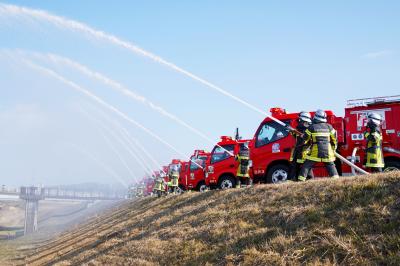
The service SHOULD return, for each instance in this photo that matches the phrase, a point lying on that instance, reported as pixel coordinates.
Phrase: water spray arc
(134, 142)
(142, 148)
(7, 10)
(100, 101)
(119, 139)
(127, 92)
(143, 163)
(101, 164)
(17, 11)
(102, 127)
(131, 141)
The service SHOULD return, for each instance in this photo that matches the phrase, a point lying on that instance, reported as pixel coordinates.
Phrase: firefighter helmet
(375, 119)
(320, 116)
(305, 117)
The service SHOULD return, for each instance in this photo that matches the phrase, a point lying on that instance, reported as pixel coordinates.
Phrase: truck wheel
(278, 173)
(202, 187)
(226, 182)
(392, 166)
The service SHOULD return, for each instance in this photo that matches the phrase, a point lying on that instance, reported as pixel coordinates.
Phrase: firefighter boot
(238, 183)
(301, 178)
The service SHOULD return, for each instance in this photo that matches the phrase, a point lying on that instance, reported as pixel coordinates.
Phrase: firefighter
(139, 191)
(373, 135)
(243, 157)
(174, 179)
(300, 149)
(159, 186)
(323, 143)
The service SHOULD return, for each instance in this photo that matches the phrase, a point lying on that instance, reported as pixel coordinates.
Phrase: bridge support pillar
(31, 195)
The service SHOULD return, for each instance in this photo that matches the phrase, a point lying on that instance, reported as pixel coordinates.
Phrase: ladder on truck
(373, 100)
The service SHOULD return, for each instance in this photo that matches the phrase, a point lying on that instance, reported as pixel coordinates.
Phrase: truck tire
(392, 166)
(278, 173)
(226, 182)
(202, 187)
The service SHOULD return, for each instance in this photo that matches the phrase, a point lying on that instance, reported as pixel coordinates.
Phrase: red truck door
(222, 161)
(196, 176)
(271, 144)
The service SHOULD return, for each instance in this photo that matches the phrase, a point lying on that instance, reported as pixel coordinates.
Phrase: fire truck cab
(222, 166)
(193, 177)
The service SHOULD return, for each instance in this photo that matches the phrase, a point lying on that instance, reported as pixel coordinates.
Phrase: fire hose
(340, 157)
(387, 149)
(352, 165)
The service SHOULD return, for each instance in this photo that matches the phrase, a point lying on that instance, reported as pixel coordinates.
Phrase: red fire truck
(222, 166)
(272, 143)
(149, 185)
(192, 175)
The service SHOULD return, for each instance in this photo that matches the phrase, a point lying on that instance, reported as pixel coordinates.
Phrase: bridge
(32, 196)
(66, 194)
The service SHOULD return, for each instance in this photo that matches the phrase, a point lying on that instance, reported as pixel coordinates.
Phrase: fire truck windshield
(173, 167)
(220, 154)
(201, 160)
(271, 132)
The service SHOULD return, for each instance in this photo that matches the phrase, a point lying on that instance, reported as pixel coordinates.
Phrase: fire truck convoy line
(271, 145)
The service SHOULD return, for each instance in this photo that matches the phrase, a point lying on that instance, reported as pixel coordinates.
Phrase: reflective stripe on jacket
(174, 180)
(159, 185)
(300, 150)
(322, 137)
(244, 163)
(374, 154)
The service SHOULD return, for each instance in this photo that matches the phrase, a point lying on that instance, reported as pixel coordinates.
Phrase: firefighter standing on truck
(300, 149)
(243, 157)
(374, 156)
(174, 179)
(323, 144)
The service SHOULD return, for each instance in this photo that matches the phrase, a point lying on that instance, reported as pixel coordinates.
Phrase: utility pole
(31, 195)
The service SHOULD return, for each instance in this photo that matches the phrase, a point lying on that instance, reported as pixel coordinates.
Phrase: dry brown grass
(352, 221)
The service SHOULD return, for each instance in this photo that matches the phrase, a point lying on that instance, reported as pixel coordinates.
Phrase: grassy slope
(350, 221)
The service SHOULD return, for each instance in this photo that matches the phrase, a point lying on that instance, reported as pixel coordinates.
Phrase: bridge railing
(31, 193)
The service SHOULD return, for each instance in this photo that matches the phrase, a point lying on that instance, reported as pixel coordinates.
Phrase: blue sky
(298, 55)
